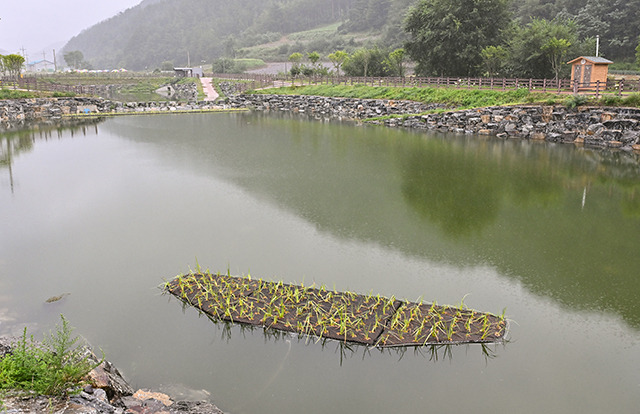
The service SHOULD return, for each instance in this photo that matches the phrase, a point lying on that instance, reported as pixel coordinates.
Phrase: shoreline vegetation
(454, 99)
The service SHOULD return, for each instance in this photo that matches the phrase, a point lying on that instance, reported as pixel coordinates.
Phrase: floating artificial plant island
(346, 316)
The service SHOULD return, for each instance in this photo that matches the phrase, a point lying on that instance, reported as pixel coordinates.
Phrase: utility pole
(55, 63)
(24, 55)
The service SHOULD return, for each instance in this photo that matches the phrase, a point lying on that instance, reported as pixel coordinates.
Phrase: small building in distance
(188, 72)
(41, 65)
(588, 70)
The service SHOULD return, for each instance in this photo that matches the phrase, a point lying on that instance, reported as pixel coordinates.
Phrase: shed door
(577, 73)
(587, 75)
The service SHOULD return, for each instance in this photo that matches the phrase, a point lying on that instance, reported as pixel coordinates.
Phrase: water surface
(551, 233)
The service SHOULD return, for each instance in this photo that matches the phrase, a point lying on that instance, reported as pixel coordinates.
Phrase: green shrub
(611, 100)
(15, 94)
(54, 367)
(63, 94)
(576, 100)
(632, 100)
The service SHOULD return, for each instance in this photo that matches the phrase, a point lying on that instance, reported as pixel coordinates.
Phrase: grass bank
(457, 98)
(21, 94)
(453, 98)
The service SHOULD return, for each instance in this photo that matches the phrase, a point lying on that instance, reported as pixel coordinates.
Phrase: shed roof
(592, 59)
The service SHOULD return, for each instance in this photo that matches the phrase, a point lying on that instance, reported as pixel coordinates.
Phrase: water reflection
(333, 204)
(462, 185)
(518, 206)
(16, 142)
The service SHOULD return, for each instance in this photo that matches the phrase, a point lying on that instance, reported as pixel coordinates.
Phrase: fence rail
(31, 83)
(255, 81)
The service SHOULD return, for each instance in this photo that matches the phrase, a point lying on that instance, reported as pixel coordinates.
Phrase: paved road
(209, 91)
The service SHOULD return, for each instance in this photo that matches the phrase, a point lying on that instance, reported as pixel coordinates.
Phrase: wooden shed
(588, 70)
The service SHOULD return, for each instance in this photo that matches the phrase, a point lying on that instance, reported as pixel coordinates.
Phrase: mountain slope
(168, 30)
(157, 31)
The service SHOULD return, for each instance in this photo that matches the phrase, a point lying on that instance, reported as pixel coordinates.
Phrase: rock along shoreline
(108, 393)
(602, 127)
(599, 127)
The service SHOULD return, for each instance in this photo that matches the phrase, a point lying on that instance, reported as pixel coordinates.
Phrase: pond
(107, 212)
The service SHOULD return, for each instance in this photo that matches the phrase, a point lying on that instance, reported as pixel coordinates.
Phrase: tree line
(11, 65)
(482, 37)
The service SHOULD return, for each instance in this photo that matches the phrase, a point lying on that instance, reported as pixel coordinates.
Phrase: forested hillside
(617, 22)
(168, 31)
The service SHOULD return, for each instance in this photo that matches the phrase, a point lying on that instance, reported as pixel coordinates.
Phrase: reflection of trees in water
(14, 143)
(462, 187)
(568, 219)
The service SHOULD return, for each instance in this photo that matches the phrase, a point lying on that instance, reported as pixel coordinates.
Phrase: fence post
(620, 87)
(598, 89)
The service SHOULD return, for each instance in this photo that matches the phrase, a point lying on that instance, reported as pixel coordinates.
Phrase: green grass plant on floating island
(344, 316)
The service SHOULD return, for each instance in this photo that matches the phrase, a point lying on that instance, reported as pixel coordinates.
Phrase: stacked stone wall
(610, 127)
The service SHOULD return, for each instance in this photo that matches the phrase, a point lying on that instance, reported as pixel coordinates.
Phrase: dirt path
(209, 91)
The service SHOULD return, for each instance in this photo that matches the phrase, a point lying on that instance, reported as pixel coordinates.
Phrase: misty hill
(158, 31)
(167, 30)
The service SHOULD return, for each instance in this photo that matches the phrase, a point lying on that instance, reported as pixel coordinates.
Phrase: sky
(42, 25)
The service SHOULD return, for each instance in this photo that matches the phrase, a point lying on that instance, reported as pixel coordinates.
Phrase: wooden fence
(255, 81)
(31, 83)
(618, 87)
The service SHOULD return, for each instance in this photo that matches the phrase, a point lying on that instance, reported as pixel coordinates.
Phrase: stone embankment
(339, 108)
(17, 113)
(606, 127)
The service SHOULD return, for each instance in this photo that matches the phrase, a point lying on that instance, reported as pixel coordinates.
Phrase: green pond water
(107, 212)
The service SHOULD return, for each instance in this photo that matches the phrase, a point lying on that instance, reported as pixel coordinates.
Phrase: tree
(446, 36)
(638, 53)
(337, 58)
(556, 50)
(295, 59)
(531, 45)
(366, 62)
(494, 58)
(395, 62)
(74, 59)
(13, 64)
(313, 57)
(230, 47)
(167, 65)
(223, 65)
